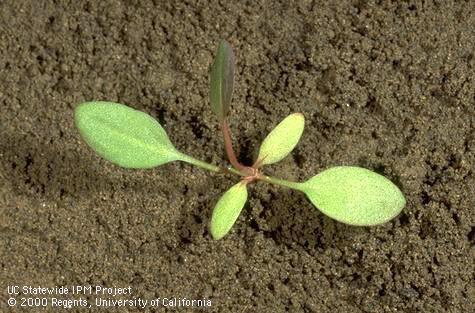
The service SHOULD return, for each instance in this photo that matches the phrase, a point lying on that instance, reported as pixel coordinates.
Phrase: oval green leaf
(222, 80)
(124, 136)
(227, 210)
(282, 139)
(354, 195)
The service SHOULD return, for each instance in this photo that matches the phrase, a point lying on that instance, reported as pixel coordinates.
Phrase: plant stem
(282, 182)
(217, 169)
(199, 163)
(229, 146)
(234, 171)
(207, 166)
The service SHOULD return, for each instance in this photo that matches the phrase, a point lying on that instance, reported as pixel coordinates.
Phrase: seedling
(133, 139)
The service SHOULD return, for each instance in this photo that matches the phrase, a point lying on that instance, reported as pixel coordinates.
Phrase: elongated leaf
(124, 136)
(227, 210)
(282, 139)
(222, 80)
(354, 195)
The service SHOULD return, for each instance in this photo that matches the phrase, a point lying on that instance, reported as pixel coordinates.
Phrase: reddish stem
(229, 147)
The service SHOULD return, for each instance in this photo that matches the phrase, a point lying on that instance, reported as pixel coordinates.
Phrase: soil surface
(385, 85)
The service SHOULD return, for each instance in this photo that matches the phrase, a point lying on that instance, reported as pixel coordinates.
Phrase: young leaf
(124, 136)
(222, 80)
(282, 139)
(227, 210)
(354, 195)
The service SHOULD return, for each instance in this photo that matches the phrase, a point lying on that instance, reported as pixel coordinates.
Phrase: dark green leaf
(222, 80)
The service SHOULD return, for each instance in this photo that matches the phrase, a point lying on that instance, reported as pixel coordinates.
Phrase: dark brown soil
(386, 85)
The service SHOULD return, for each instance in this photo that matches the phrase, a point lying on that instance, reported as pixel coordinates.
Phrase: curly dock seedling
(133, 139)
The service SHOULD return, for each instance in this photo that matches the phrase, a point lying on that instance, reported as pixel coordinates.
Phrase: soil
(385, 85)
